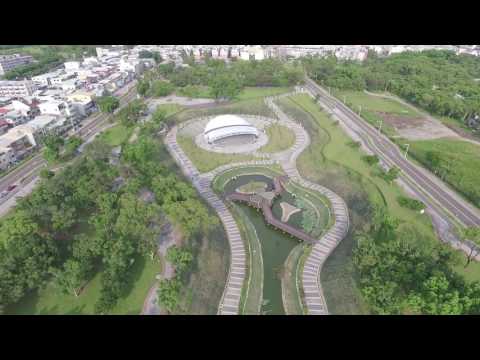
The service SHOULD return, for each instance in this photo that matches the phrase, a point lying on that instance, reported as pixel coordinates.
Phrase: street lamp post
(406, 151)
(380, 127)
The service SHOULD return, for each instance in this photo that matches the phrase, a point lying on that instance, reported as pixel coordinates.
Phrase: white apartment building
(82, 102)
(10, 62)
(16, 88)
(57, 108)
(71, 66)
(14, 145)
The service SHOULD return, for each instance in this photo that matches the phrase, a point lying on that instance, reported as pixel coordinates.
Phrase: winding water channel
(276, 247)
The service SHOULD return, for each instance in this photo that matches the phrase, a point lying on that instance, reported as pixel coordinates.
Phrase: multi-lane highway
(28, 171)
(437, 193)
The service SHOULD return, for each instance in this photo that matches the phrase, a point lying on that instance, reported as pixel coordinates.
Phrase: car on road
(11, 187)
(3, 194)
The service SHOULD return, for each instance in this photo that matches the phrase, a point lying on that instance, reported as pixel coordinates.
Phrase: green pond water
(276, 246)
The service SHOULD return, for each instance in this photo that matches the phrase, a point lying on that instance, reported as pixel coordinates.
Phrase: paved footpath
(230, 301)
(312, 288)
(314, 299)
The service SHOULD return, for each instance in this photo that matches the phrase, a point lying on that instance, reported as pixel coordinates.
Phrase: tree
(72, 277)
(53, 144)
(161, 88)
(107, 104)
(181, 258)
(25, 263)
(169, 294)
(97, 150)
(410, 203)
(433, 159)
(143, 87)
(159, 116)
(72, 145)
(371, 159)
(135, 220)
(46, 174)
(224, 87)
(471, 235)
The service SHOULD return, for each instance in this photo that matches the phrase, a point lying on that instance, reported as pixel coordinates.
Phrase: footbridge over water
(265, 203)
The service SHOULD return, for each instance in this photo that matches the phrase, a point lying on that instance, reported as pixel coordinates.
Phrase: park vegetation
(410, 203)
(107, 104)
(219, 80)
(439, 82)
(80, 222)
(398, 274)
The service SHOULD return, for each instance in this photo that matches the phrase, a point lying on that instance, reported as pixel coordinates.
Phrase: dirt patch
(416, 128)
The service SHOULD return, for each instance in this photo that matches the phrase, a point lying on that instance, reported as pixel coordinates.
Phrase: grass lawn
(220, 180)
(206, 280)
(205, 160)
(331, 162)
(50, 301)
(116, 135)
(375, 103)
(459, 164)
(292, 301)
(336, 150)
(252, 293)
(194, 91)
(279, 138)
(170, 109)
(256, 92)
(252, 106)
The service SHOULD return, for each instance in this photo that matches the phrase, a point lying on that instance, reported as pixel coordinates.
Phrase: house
(4, 126)
(15, 145)
(82, 102)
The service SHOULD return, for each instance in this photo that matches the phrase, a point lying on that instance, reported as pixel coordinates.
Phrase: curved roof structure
(224, 126)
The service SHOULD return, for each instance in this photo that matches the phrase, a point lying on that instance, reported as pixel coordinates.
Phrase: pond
(276, 247)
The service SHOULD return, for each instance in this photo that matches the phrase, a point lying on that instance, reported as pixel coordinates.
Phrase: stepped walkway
(312, 288)
(313, 293)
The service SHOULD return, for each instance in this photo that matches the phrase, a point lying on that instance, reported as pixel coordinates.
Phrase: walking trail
(313, 293)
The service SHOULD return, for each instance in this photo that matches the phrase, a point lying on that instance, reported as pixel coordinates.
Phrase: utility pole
(359, 110)
(406, 151)
(344, 99)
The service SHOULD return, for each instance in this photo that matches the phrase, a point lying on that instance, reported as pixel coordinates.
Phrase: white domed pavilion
(226, 126)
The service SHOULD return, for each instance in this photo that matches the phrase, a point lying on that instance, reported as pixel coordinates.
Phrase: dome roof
(224, 121)
(223, 126)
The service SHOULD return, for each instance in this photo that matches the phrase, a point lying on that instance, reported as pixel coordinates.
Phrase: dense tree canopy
(400, 273)
(107, 104)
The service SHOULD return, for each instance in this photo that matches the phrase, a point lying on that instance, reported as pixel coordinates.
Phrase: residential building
(82, 102)
(4, 126)
(16, 88)
(10, 62)
(14, 145)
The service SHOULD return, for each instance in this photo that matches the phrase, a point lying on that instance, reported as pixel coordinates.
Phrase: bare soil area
(417, 128)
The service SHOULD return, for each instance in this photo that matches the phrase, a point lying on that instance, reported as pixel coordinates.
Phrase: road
(438, 193)
(28, 171)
